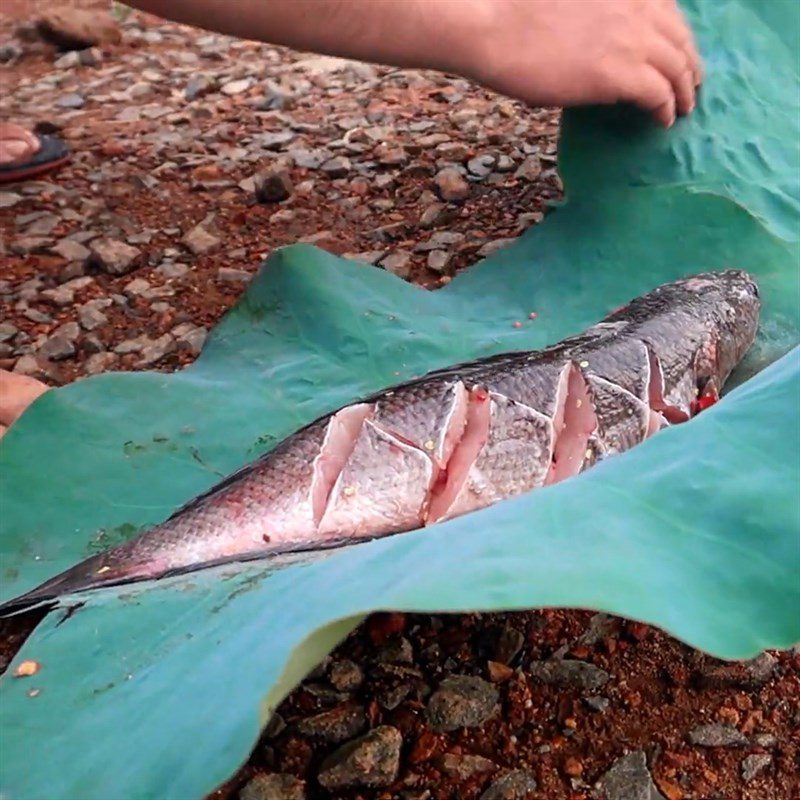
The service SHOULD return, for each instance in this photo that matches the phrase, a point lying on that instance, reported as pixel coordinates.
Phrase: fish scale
(454, 440)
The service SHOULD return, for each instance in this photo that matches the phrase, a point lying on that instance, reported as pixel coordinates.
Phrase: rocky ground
(194, 157)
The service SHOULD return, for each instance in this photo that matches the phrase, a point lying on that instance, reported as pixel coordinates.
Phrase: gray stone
(100, 362)
(70, 250)
(7, 331)
(504, 163)
(529, 169)
(68, 60)
(337, 725)
(744, 674)
(441, 240)
(481, 166)
(508, 646)
(371, 761)
(192, 338)
(199, 86)
(28, 365)
(755, 764)
(451, 185)
(337, 167)
(278, 786)
(461, 701)
(397, 652)
(629, 779)
(200, 242)
(274, 141)
(450, 151)
(464, 767)
(137, 287)
(515, 785)
(233, 275)
(308, 159)
(569, 674)
(172, 270)
(233, 88)
(60, 296)
(345, 675)
(34, 315)
(113, 256)
(717, 734)
(597, 703)
(369, 257)
(398, 263)
(492, 247)
(57, 348)
(157, 349)
(438, 260)
(71, 100)
(9, 199)
(131, 345)
(273, 185)
(91, 317)
(765, 740)
(25, 245)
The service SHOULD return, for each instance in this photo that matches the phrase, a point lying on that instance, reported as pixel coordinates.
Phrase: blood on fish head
(733, 303)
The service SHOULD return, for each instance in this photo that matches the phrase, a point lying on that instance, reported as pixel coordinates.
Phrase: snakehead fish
(455, 440)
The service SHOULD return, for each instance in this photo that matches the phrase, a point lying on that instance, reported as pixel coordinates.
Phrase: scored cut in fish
(455, 440)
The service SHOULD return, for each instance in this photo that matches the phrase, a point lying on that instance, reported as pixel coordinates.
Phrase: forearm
(403, 33)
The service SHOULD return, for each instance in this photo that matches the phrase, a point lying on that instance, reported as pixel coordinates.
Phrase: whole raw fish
(457, 439)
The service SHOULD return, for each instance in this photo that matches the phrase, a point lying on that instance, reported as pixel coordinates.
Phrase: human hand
(578, 52)
(17, 392)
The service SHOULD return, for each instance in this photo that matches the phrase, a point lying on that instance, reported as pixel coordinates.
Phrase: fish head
(731, 305)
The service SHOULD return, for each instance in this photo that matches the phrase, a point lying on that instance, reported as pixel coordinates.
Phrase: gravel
(373, 760)
(461, 701)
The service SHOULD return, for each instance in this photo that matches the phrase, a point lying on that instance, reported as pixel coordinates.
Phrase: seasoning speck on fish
(455, 440)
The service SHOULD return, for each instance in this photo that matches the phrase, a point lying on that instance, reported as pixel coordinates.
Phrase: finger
(672, 64)
(650, 90)
(670, 22)
(3, 429)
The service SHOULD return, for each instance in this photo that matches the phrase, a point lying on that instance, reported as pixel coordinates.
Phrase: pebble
(569, 674)
(200, 242)
(464, 767)
(57, 348)
(389, 156)
(451, 151)
(717, 734)
(131, 345)
(233, 88)
(100, 362)
(371, 761)
(278, 786)
(529, 169)
(504, 163)
(26, 245)
(337, 167)
(172, 270)
(597, 703)
(745, 675)
(113, 256)
(509, 645)
(492, 247)
(398, 263)
(438, 260)
(91, 317)
(27, 365)
(345, 675)
(68, 60)
(368, 257)
(629, 779)
(9, 199)
(755, 764)
(451, 185)
(233, 275)
(7, 331)
(199, 86)
(10, 52)
(72, 100)
(274, 141)
(136, 287)
(190, 337)
(34, 315)
(481, 166)
(60, 296)
(273, 185)
(70, 250)
(157, 349)
(461, 701)
(335, 726)
(440, 240)
(433, 215)
(308, 159)
(515, 785)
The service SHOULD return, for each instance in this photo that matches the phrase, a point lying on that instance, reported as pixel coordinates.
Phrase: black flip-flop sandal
(52, 153)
